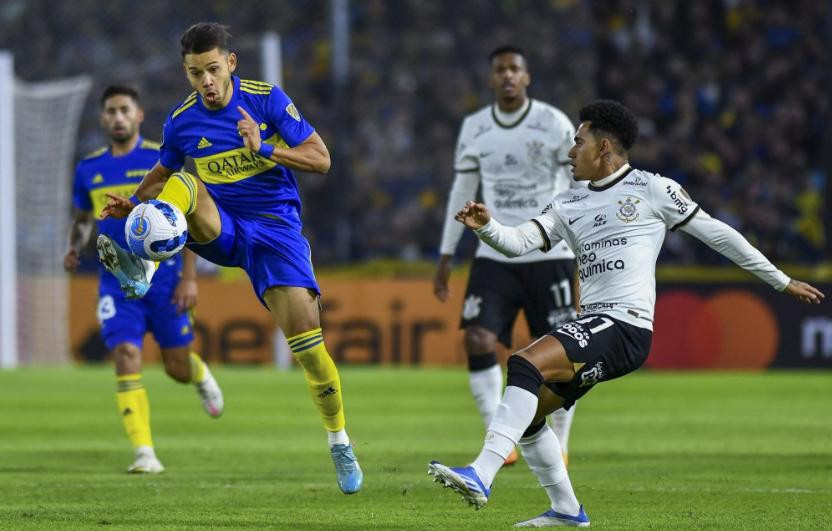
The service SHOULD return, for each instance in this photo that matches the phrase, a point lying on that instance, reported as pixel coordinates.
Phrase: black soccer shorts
(608, 348)
(497, 291)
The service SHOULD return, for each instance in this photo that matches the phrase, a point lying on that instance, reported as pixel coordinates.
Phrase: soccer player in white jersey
(516, 151)
(617, 227)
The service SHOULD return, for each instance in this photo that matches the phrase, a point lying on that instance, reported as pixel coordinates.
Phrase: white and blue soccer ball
(156, 230)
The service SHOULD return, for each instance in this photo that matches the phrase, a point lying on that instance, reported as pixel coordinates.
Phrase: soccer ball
(156, 230)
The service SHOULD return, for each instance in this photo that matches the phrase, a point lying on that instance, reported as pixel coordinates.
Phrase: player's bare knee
(295, 310)
(479, 340)
(127, 358)
(549, 356)
(177, 364)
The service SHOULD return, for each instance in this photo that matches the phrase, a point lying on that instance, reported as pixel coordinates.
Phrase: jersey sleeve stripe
(183, 108)
(547, 243)
(97, 153)
(466, 170)
(187, 102)
(255, 91)
(259, 84)
(686, 220)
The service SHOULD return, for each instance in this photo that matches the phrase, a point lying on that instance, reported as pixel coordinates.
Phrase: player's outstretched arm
(310, 155)
(731, 244)
(119, 206)
(804, 292)
(473, 215)
(510, 241)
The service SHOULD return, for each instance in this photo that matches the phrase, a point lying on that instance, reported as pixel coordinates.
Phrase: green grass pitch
(648, 451)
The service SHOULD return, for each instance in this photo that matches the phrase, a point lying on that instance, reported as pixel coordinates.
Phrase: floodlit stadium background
(733, 98)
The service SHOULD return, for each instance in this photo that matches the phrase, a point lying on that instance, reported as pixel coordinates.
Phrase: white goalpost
(8, 260)
(38, 130)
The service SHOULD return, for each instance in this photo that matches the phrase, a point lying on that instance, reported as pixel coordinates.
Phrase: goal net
(34, 226)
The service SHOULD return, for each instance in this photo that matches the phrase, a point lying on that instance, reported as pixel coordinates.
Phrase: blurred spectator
(732, 94)
(734, 98)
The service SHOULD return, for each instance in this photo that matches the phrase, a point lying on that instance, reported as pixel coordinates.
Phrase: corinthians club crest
(628, 211)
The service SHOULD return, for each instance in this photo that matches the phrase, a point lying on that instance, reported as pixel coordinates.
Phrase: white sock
(542, 453)
(337, 437)
(145, 451)
(150, 268)
(562, 424)
(514, 414)
(487, 387)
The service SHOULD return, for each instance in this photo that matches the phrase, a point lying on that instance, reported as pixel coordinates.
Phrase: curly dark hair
(610, 118)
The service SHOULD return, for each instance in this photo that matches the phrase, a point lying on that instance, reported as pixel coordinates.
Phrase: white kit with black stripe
(518, 165)
(617, 227)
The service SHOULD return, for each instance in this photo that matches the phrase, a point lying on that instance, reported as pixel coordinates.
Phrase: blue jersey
(240, 181)
(100, 173)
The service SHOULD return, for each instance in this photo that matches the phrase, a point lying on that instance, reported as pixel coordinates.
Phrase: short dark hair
(203, 37)
(508, 48)
(119, 90)
(608, 117)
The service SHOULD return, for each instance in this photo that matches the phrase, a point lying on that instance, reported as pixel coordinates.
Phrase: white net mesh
(46, 117)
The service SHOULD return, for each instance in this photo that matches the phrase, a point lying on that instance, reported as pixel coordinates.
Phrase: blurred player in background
(617, 226)
(165, 309)
(246, 138)
(516, 151)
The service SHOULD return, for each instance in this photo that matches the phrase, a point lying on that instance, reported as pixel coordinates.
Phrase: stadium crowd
(732, 95)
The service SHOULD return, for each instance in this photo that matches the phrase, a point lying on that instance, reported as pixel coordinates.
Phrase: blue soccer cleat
(552, 518)
(463, 480)
(133, 273)
(350, 476)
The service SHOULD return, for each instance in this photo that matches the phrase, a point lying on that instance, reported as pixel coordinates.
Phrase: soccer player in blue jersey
(243, 209)
(118, 168)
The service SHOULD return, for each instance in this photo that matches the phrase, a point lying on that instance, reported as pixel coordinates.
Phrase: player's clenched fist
(473, 215)
(249, 130)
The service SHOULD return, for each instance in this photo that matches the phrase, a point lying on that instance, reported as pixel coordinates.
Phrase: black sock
(480, 362)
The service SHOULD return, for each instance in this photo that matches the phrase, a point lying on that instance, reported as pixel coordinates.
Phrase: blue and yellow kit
(257, 199)
(123, 320)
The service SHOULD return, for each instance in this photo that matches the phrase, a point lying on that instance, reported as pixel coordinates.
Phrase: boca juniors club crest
(628, 211)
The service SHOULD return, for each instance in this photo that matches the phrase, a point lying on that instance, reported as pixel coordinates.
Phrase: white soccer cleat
(462, 480)
(133, 273)
(146, 462)
(551, 518)
(211, 394)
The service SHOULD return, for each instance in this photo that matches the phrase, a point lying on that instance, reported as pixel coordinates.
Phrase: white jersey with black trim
(519, 167)
(617, 230)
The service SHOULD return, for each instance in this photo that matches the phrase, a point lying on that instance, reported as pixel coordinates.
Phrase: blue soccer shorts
(127, 320)
(271, 251)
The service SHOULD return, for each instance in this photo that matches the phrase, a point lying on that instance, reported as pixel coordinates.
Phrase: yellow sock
(134, 408)
(180, 190)
(321, 377)
(197, 368)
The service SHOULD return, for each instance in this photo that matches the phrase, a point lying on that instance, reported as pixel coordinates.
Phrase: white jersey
(617, 231)
(519, 166)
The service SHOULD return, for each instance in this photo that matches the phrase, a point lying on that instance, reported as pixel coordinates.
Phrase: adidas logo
(328, 391)
(203, 143)
(127, 411)
(97, 179)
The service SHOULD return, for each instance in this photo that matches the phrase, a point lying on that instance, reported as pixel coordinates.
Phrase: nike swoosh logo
(485, 154)
(571, 221)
